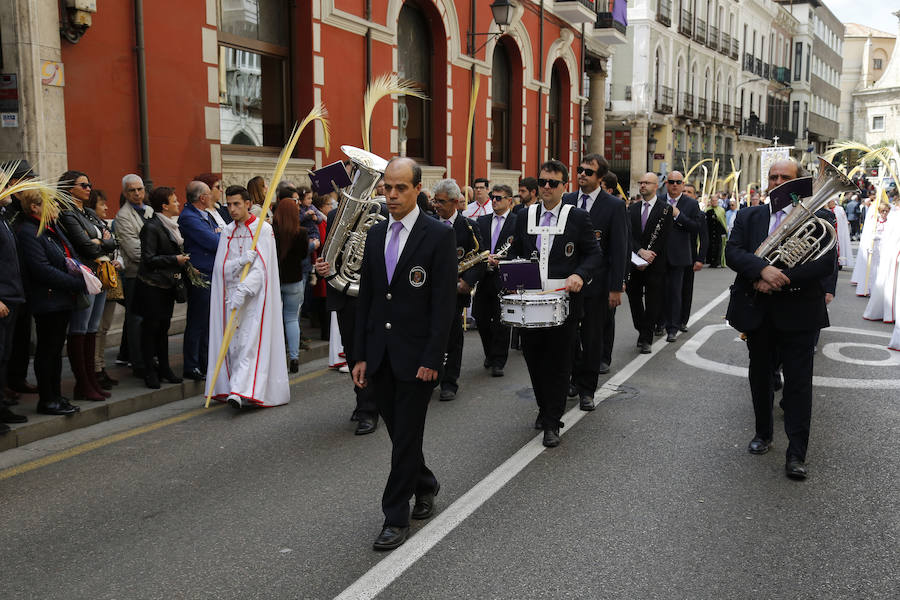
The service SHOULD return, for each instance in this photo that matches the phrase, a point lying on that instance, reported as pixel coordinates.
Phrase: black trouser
(155, 343)
(854, 228)
(453, 362)
(403, 406)
(794, 349)
(17, 369)
(548, 353)
(593, 345)
(132, 324)
(365, 399)
(687, 296)
(7, 335)
(196, 329)
(645, 291)
(674, 289)
(51, 337)
(494, 334)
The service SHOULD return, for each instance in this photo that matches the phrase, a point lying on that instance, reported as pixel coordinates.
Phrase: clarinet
(666, 210)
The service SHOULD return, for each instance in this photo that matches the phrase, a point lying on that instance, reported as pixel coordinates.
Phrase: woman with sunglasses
(92, 240)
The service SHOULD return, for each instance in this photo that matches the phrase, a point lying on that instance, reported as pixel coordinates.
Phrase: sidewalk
(131, 395)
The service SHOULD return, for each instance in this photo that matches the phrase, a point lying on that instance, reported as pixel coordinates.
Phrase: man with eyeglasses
(496, 229)
(446, 197)
(596, 331)
(781, 312)
(572, 259)
(482, 204)
(128, 224)
(686, 222)
(651, 222)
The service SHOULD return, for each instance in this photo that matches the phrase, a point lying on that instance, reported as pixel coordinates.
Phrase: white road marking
(394, 564)
(689, 354)
(833, 351)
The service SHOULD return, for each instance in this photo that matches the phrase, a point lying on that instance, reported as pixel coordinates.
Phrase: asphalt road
(653, 495)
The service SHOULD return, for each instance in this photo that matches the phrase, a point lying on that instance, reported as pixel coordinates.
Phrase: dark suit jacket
(799, 307)
(829, 283)
(159, 255)
(610, 229)
(641, 239)
(407, 320)
(490, 281)
(466, 239)
(201, 240)
(700, 243)
(690, 220)
(49, 287)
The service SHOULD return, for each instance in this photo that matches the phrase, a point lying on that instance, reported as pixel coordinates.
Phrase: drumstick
(551, 291)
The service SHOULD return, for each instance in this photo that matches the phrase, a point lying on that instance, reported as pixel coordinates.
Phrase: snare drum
(532, 310)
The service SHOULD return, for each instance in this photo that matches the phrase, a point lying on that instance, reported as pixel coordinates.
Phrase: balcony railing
(765, 73)
(714, 111)
(783, 75)
(577, 11)
(786, 137)
(701, 109)
(735, 50)
(757, 66)
(726, 114)
(664, 96)
(756, 128)
(664, 12)
(700, 31)
(748, 62)
(712, 37)
(695, 157)
(680, 160)
(686, 105)
(727, 159)
(725, 43)
(686, 23)
(605, 21)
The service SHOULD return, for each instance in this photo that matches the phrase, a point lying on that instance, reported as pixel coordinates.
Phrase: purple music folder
(787, 192)
(322, 179)
(516, 275)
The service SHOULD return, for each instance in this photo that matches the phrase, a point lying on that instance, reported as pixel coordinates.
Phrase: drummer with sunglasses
(571, 259)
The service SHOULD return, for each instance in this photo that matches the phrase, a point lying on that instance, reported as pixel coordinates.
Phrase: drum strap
(544, 250)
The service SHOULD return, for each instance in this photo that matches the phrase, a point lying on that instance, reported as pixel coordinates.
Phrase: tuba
(802, 236)
(356, 214)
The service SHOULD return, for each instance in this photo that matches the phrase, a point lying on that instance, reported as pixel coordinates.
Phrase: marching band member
(562, 238)
(407, 295)
(596, 331)
(495, 336)
(446, 198)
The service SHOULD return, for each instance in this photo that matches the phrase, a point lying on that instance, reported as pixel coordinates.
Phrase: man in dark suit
(596, 331)
(562, 237)
(496, 229)
(781, 311)
(699, 248)
(407, 296)
(650, 224)
(446, 199)
(687, 221)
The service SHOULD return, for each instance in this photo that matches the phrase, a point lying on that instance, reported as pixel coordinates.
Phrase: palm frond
(691, 170)
(473, 100)
(384, 85)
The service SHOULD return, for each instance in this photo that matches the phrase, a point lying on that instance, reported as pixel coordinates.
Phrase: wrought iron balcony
(735, 50)
(757, 66)
(664, 96)
(748, 62)
(686, 23)
(712, 37)
(725, 43)
(576, 11)
(608, 30)
(701, 109)
(714, 113)
(695, 157)
(783, 75)
(686, 106)
(726, 114)
(765, 73)
(786, 137)
(664, 12)
(680, 160)
(756, 128)
(700, 31)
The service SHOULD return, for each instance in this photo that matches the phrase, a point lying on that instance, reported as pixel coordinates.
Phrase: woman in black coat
(160, 275)
(50, 290)
(92, 240)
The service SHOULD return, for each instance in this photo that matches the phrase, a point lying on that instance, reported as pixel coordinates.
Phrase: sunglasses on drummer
(586, 171)
(551, 182)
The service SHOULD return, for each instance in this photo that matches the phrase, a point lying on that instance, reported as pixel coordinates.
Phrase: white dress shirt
(592, 197)
(408, 221)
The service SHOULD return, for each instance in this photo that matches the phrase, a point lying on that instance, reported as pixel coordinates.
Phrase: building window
(253, 72)
(878, 123)
(798, 60)
(876, 64)
(808, 54)
(500, 104)
(795, 116)
(553, 114)
(414, 63)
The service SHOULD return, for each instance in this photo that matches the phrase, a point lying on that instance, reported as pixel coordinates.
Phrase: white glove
(236, 299)
(246, 258)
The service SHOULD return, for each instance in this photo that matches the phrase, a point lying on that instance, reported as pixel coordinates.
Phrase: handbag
(107, 274)
(180, 291)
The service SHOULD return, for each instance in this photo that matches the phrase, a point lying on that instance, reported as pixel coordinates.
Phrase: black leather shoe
(539, 423)
(152, 380)
(390, 538)
(683, 328)
(8, 416)
(496, 371)
(573, 391)
(670, 337)
(586, 403)
(194, 374)
(424, 506)
(10, 401)
(551, 437)
(169, 377)
(294, 365)
(364, 426)
(104, 378)
(447, 395)
(56, 408)
(644, 347)
(486, 364)
(604, 368)
(759, 446)
(794, 468)
(658, 331)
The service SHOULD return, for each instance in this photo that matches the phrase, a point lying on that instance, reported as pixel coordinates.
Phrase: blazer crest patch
(417, 276)
(570, 249)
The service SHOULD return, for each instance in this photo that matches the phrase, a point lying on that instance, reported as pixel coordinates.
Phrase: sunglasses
(84, 186)
(674, 181)
(498, 198)
(551, 182)
(586, 171)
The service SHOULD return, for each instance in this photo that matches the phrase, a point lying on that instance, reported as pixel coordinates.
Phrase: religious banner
(767, 156)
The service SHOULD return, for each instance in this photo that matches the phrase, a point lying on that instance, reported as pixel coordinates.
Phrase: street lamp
(502, 11)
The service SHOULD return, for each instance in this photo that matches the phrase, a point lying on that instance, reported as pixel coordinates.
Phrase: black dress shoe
(759, 446)
(496, 371)
(551, 437)
(194, 374)
(169, 377)
(23, 387)
(658, 331)
(539, 423)
(8, 416)
(604, 368)
(9, 401)
(794, 468)
(390, 537)
(644, 347)
(152, 380)
(56, 408)
(682, 328)
(670, 337)
(586, 403)
(364, 426)
(447, 395)
(294, 365)
(486, 364)
(573, 391)
(424, 506)
(104, 378)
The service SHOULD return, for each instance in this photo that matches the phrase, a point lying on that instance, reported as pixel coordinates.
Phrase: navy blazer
(49, 287)
(690, 220)
(490, 281)
(641, 239)
(611, 231)
(407, 321)
(800, 306)
(201, 240)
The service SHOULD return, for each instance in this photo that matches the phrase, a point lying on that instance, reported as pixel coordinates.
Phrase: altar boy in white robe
(255, 369)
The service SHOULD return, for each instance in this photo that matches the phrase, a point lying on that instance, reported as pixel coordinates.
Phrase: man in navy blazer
(496, 229)
(781, 311)
(687, 221)
(407, 296)
(603, 294)
(201, 239)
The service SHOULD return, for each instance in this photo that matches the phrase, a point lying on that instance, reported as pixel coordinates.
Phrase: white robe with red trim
(255, 365)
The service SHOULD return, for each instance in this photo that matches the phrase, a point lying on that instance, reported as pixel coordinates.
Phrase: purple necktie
(448, 223)
(672, 201)
(545, 222)
(778, 217)
(645, 214)
(390, 254)
(497, 227)
(584, 201)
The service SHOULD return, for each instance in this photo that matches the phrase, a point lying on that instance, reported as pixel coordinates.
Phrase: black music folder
(323, 178)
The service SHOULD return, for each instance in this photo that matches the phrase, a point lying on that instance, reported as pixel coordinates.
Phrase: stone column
(638, 150)
(597, 108)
